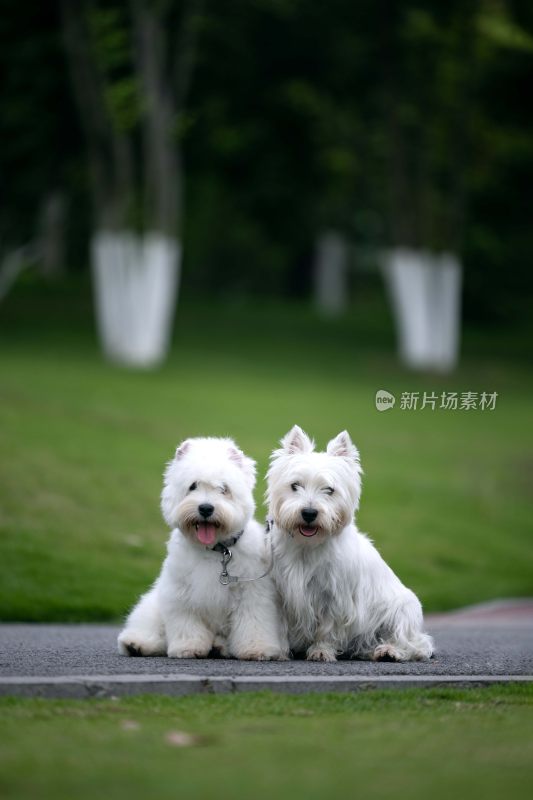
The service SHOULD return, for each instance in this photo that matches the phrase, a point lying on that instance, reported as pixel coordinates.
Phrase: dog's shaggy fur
(207, 499)
(339, 596)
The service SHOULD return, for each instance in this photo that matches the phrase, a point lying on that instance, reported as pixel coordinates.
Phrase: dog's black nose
(309, 514)
(206, 509)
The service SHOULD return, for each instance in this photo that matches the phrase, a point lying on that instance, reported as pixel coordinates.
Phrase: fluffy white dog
(338, 594)
(207, 499)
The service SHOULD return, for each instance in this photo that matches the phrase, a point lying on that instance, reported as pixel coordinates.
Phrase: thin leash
(222, 547)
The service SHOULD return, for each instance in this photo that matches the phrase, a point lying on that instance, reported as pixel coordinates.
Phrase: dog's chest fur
(316, 597)
(193, 575)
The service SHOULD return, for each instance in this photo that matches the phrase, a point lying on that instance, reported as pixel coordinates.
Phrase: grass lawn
(447, 495)
(406, 744)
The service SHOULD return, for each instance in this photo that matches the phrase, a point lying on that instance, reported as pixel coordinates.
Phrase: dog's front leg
(322, 648)
(187, 635)
(257, 632)
(144, 634)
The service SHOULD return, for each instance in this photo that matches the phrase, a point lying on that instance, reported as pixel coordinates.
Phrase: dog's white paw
(321, 652)
(386, 652)
(188, 650)
(261, 653)
(132, 643)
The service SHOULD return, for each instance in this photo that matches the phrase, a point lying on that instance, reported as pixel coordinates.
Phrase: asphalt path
(483, 644)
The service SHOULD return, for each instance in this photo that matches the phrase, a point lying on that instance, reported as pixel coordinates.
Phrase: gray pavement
(479, 645)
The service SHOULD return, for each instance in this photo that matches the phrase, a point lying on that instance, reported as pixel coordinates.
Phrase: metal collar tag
(225, 578)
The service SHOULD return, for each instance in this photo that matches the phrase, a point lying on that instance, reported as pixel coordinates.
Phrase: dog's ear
(297, 441)
(343, 446)
(246, 464)
(182, 449)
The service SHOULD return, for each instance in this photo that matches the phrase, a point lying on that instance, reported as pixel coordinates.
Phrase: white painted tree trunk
(331, 273)
(135, 284)
(425, 291)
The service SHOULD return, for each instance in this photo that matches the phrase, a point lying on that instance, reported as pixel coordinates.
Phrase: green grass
(446, 494)
(405, 744)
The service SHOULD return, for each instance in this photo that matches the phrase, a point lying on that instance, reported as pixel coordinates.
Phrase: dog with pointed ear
(335, 497)
(338, 594)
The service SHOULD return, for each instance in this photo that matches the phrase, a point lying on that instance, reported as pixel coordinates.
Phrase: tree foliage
(394, 122)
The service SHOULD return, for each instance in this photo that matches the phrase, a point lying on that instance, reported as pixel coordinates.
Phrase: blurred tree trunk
(425, 291)
(52, 235)
(131, 82)
(45, 252)
(331, 273)
(426, 167)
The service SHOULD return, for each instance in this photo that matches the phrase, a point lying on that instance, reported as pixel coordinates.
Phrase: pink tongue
(206, 533)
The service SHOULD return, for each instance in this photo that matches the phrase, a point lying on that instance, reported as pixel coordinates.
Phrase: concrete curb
(104, 686)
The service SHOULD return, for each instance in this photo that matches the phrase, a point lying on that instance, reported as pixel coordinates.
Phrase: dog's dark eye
(193, 486)
(224, 489)
(329, 490)
(294, 486)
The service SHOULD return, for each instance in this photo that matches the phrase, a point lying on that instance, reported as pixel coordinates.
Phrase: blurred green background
(446, 494)
(395, 125)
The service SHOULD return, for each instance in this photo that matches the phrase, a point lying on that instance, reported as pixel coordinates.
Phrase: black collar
(220, 547)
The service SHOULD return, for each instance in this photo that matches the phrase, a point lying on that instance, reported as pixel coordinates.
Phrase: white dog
(207, 500)
(338, 594)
